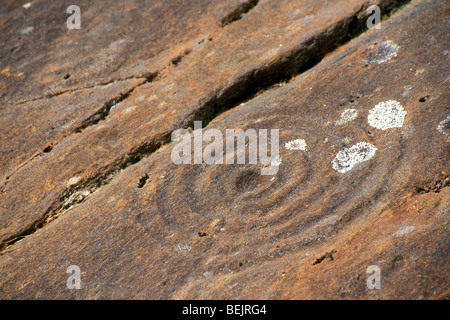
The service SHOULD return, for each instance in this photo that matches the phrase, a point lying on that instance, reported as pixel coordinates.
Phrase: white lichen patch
(66, 125)
(345, 141)
(183, 247)
(26, 30)
(299, 144)
(386, 51)
(347, 116)
(386, 115)
(347, 158)
(403, 231)
(444, 127)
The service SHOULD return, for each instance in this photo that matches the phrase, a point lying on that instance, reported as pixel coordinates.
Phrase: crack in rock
(237, 14)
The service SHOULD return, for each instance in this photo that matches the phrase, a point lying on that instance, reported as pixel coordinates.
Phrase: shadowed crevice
(237, 13)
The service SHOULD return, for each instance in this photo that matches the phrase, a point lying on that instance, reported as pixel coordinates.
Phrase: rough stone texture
(23, 138)
(128, 39)
(212, 77)
(108, 198)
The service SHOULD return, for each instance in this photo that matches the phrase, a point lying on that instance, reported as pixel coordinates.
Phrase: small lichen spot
(183, 247)
(403, 231)
(27, 30)
(347, 158)
(347, 116)
(345, 141)
(444, 127)
(386, 51)
(386, 115)
(299, 144)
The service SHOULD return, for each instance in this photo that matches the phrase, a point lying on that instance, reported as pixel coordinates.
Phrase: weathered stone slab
(213, 74)
(31, 129)
(44, 63)
(160, 230)
(42, 57)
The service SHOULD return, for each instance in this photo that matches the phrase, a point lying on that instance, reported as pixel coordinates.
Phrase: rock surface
(364, 164)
